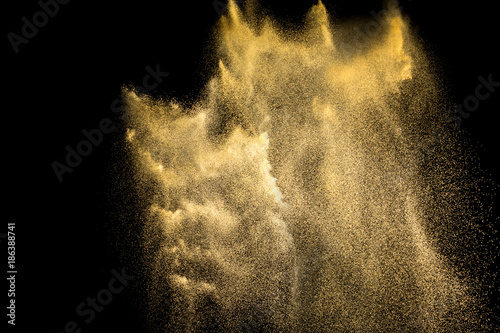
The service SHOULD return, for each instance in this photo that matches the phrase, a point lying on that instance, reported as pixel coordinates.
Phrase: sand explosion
(296, 194)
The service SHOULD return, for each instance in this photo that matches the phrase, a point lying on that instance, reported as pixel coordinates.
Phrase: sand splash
(295, 195)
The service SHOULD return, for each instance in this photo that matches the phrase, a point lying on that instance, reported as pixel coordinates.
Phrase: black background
(66, 77)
